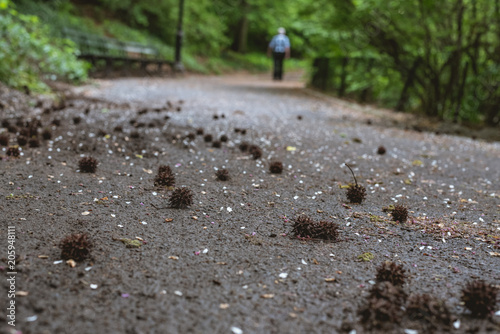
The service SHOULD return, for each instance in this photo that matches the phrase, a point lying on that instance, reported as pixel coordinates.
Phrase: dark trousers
(278, 65)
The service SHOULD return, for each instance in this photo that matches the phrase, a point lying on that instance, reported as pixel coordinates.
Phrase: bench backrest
(93, 45)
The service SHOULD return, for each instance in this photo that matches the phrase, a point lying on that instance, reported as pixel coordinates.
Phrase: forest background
(436, 58)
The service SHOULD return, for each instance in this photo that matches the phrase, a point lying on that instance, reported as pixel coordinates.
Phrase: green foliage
(438, 58)
(28, 54)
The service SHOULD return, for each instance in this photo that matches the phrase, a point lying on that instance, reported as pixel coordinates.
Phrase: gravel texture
(228, 263)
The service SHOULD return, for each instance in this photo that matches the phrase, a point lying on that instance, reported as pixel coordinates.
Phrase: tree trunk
(403, 99)
(343, 76)
(242, 39)
(461, 93)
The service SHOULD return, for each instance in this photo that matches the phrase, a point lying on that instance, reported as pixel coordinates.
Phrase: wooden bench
(114, 52)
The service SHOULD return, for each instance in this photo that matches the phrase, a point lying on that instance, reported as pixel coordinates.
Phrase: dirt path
(230, 263)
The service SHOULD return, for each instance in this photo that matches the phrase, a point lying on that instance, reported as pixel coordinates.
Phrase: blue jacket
(279, 43)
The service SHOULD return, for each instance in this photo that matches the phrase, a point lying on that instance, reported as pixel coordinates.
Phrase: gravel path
(230, 263)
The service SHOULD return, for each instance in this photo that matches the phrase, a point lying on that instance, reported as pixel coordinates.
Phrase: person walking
(280, 49)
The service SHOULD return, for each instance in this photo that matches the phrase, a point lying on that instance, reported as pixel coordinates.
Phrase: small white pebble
(236, 330)
(93, 286)
(32, 318)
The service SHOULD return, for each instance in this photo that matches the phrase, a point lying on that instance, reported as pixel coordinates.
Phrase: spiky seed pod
(139, 125)
(326, 230)
(389, 291)
(77, 120)
(5, 123)
(164, 169)
(222, 174)
(303, 226)
(306, 228)
(13, 151)
(431, 310)
(87, 165)
(379, 313)
(34, 142)
(118, 128)
(480, 298)
(243, 131)
(134, 135)
(217, 144)
(181, 198)
(215, 116)
(25, 132)
(4, 140)
(255, 151)
(276, 167)
(384, 306)
(224, 138)
(400, 213)
(47, 134)
(199, 131)
(236, 130)
(381, 150)
(391, 272)
(165, 177)
(243, 147)
(356, 194)
(207, 138)
(76, 247)
(22, 140)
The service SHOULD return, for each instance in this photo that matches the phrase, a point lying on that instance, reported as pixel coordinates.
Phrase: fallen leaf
(129, 243)
(223, 306)
(168, 220)
(173, 257)
(291, 148)
(149, 171)
(86, 213)
(366, 257)
(43, 256)
(495, 254)
(267, 295)
(71, 263)
(21, 293)
(330, 279)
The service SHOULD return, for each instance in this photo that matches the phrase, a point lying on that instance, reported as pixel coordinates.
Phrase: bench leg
(109, 64)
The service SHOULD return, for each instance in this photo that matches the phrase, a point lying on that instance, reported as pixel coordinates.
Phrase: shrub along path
(230, 262)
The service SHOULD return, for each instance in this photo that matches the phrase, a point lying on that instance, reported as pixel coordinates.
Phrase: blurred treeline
(437, 57)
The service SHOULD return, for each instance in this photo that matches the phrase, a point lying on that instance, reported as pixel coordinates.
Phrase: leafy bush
(29, 54)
